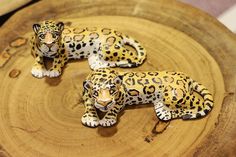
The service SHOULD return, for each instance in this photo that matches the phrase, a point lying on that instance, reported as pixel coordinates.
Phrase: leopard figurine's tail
(199, 107)
(140, 55)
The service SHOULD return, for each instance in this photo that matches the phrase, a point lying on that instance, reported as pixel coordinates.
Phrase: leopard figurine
(104, 47)
(172, 93)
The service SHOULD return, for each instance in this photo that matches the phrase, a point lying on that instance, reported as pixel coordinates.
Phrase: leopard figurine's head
(48, 32)
(104, 86)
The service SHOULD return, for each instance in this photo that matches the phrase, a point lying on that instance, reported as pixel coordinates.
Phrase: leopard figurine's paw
(38, 72)
(89, 121)
(53, 73)
(107, 122)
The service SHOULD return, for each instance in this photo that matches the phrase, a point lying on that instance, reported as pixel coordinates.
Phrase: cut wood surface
(9, 5)
(41, 117)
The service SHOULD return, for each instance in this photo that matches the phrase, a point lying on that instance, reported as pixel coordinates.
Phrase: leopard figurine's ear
(60, 25)
(118, 80)
(87, 84)
(36, 28)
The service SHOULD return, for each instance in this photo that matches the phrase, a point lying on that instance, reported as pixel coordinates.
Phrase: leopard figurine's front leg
(111, 116)
(90, 117)
(38, 70)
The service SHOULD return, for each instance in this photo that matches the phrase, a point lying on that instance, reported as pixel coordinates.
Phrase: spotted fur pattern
(104, 47)
(173, 94)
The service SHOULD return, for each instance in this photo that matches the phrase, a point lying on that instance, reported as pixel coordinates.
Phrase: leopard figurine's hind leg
(162, 111)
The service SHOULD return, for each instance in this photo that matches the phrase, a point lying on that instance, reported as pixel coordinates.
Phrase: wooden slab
(41, 117)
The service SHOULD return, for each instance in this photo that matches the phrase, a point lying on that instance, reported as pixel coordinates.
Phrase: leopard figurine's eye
(95, 93)
(42, 36)
(112, 91)
(55, 34)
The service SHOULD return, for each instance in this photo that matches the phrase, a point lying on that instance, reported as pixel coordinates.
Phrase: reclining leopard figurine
(170, 92)
(103, 47)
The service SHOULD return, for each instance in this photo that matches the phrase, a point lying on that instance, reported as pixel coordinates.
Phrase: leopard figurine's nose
(104, 102)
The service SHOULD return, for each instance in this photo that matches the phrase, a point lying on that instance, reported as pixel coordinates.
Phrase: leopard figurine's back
(173, 94)
(103, 47)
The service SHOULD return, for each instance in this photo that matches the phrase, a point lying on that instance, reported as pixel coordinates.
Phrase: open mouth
(103, 108)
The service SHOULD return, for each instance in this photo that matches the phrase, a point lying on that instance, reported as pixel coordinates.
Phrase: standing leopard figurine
(172, 94)
(103, 47)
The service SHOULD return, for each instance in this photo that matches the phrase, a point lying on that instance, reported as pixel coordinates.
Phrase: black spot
(106, 59)
(84, 44)
(78, 46)
(63, 45)
(177, 106)
(91, 44)
(174, 98)
(82, 52)
(187, 98)
(206, 111)
(62, 51)
(199, 108)
(133, 102)
(198, 115)
(124, 50)
(139, 99)
(122, 58)
(115, 54)
(141, 53)
(108, 52)
(180, 101)
(191, 103)
(95, 52)
(166, 94)
(129, 60)
(72, 45)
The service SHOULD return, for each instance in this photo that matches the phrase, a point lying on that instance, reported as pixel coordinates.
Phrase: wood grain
(41, 117)
(6, 6)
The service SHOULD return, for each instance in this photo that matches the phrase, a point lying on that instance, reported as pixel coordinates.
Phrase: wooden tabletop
(41, 117)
